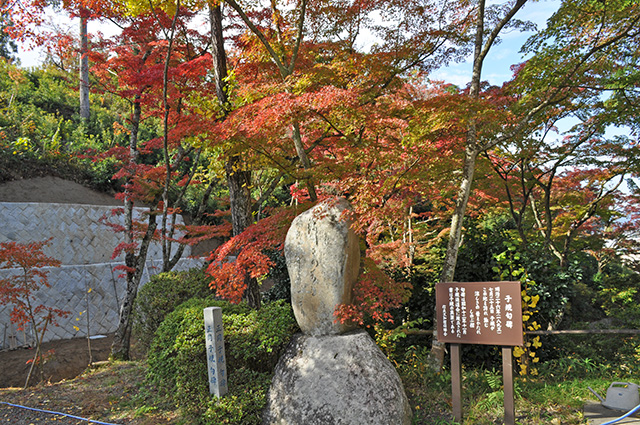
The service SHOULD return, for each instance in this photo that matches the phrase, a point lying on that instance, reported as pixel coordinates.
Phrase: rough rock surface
(330, 380)
(323, 259)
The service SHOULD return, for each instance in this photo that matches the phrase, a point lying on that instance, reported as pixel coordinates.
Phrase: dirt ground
(53, 190)
(69, 359)
(108, 392)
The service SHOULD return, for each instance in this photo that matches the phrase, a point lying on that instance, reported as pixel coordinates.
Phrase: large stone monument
(323, 259)
(331, 373)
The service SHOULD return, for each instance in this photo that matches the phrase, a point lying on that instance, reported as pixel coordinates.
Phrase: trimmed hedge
(254, 340)
(161, 295)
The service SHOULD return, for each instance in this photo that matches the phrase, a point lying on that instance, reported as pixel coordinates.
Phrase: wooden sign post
(487, 313)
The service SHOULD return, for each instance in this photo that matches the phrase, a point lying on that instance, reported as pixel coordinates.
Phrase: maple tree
(574, 184)
(349, 108)
(292, 111)
(570, 193)
(157, 78)
(279, 97)
(29, 262)
(556, 193)
(487, 29)
(135, 257)
(561, 75)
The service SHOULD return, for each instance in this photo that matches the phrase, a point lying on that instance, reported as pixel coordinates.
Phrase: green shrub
(278, 273)
(254, 340)
(162, 353)
(244, 404)
(161, 295)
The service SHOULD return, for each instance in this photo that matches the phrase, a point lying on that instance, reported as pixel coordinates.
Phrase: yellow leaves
(536, 342)
(526, 355)
(302, 84)
(140, 7)
(206, 106)
(523, 369)
(76, 328)
(534, 326)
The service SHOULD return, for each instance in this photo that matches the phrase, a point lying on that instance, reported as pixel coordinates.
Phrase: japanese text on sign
(216, 362)
(479, 313)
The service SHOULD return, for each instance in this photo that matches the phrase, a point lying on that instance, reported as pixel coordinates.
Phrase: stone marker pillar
(216, 362)
(330, 374)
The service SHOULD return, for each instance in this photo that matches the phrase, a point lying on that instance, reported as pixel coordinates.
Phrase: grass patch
(542, 399)
(117, 392)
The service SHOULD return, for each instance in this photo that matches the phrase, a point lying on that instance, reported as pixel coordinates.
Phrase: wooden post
(456, 382)
(507, 376)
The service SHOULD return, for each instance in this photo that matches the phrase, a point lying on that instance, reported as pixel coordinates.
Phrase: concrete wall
(86, 282)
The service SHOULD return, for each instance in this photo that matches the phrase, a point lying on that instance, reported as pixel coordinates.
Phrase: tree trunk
(122, 338)
(238, 178)
(304, 160)
(455, 238)
(166, 202)
(84, 65)
(219, 56)
(436, 359)
(470, 155)
(239, 183)
(482, 45)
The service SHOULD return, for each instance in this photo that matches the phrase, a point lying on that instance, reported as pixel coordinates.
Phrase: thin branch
(296, 48)
(284, 71)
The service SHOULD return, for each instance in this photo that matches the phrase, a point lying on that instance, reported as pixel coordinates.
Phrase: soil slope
(53, 190)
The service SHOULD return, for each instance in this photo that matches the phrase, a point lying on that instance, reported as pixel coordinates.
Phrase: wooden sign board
(488, 313)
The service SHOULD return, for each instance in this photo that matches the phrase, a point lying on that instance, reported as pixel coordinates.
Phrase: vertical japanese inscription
(479, 313)
(216, 362)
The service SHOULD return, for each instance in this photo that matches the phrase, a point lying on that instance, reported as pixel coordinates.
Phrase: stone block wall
(86, 283)
(78, 234)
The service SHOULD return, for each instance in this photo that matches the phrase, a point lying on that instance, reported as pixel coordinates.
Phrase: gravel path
(20, 416)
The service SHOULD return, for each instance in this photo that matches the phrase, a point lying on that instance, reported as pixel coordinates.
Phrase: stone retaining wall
(77, 232)
(84, 245)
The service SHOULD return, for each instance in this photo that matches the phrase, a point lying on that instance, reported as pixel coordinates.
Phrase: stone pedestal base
(336, 379)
